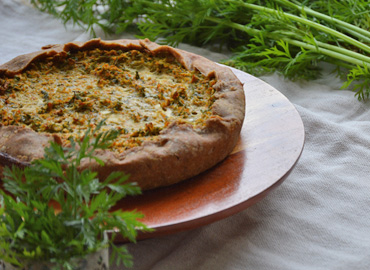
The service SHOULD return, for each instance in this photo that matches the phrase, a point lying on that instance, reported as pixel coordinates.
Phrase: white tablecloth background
(319, 218)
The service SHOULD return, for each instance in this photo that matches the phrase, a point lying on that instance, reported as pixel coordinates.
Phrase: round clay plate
(270, 145)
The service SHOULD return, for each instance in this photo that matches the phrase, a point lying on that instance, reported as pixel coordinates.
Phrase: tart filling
(134, 92)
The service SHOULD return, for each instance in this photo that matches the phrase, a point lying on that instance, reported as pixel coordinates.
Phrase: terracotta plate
(271, 143)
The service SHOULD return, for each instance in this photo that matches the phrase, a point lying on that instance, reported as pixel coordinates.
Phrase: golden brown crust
(180, 151)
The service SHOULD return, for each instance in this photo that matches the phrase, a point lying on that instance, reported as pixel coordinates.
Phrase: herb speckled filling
(136, 93)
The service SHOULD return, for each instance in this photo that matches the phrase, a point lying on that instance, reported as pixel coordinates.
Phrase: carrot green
(53, 212)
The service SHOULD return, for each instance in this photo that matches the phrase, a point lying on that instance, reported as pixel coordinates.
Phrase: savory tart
(177, 113)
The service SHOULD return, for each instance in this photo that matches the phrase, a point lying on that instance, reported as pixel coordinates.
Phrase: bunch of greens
(53, 212)
(292, 37)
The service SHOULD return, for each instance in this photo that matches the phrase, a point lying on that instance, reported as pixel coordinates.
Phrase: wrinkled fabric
(317, 219)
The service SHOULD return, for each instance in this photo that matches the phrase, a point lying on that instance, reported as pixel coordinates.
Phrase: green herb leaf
(52, 211)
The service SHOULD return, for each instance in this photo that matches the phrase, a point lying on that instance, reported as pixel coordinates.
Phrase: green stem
(327, 52)
(74, 187)
(341, 50)
(326, 49)
(356, 34)
(323, 28)
(350, 28)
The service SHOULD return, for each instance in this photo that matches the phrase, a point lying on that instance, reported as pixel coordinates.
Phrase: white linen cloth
(318, 218)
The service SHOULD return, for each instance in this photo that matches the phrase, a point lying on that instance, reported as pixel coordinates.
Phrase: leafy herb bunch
(53, 212)
(289, 36)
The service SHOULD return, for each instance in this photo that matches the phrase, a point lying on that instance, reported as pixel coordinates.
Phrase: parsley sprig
(53, 212)
(289, 36)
